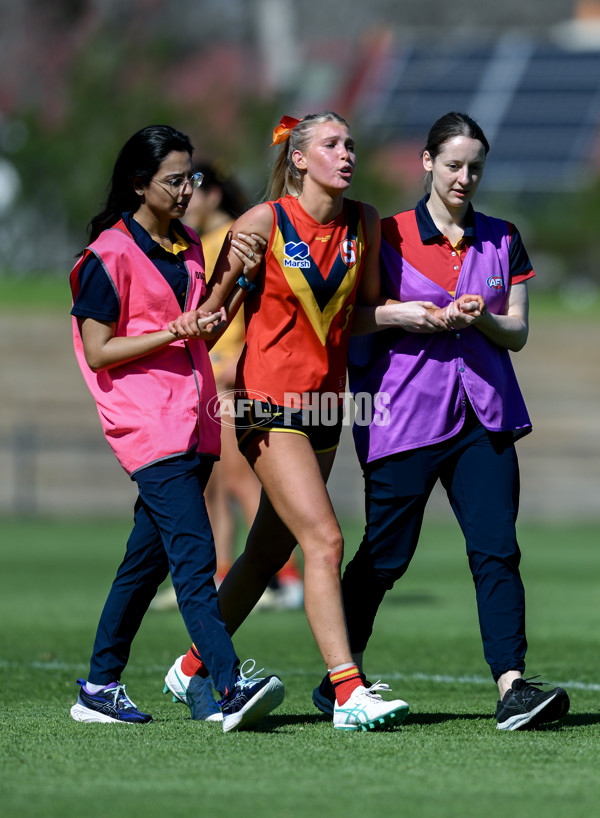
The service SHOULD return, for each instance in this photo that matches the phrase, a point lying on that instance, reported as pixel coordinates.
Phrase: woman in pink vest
(152, 389)
(449, 409)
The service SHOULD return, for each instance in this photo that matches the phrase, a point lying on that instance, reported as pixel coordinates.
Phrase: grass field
(447, 760)
(51, 292)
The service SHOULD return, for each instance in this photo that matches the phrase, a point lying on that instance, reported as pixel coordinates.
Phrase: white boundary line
(481, 680)
(436, 678)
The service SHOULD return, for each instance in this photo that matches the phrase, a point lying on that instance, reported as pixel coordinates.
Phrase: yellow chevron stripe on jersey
(320, 317)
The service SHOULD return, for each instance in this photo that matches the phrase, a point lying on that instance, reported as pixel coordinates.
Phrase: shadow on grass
(440, 718)
(281, 722)
(574, 720)
(272, 723)
(293, 719)
(579, 720)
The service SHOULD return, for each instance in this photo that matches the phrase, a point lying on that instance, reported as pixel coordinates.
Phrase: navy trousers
(171, 532)
(480, 473)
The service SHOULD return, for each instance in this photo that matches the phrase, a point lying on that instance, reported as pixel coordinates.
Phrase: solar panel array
(538, 104)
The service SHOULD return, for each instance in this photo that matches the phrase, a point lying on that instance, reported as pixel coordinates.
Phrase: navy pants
(480, 473)
(171, 532)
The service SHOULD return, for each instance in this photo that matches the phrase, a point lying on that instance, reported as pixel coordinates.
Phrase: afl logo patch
(495, 283)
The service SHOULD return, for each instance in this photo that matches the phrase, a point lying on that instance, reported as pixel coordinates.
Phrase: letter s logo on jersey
(348, 252)
(495, 283)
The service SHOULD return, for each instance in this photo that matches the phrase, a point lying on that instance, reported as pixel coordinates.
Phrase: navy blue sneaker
(324, 695)
(525, 705)
(251, 699)
(112, 704)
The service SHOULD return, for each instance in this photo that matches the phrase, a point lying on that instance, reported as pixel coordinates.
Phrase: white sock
(91, 688)
(337, 668)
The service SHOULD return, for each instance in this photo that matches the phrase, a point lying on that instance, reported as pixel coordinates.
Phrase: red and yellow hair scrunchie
(282, 131)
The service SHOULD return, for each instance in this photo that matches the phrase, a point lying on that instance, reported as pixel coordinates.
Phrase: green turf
(447, 760)
(51, 292)
(35, 290)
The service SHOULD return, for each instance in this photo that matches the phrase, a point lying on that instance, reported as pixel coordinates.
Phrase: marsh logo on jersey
(296, 254)
(348, 252)
(495, 282)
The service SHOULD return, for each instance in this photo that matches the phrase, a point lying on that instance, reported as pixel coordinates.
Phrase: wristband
(246, 284)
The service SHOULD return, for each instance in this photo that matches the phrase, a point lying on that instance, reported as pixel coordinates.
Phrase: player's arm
(103, 349)
(375, 312)
(241, 255)
(369, 288)
(511, 329)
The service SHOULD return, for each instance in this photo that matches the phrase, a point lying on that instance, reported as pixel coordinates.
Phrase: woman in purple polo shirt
(449, 409)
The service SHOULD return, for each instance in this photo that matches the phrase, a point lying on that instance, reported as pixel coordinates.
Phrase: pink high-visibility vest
(160, 405)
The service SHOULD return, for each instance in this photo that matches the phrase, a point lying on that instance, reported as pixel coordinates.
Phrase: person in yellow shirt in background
(211, 212)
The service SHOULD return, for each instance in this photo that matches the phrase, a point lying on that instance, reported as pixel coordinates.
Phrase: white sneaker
(177, 682)
(194, 691)
(366, 710)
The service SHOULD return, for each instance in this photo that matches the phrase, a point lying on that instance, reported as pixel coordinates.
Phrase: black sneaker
(109, 705)
(251, 699)
(525, 705)
(324, 695)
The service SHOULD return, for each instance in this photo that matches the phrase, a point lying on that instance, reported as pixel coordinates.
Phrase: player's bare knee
(328, 552)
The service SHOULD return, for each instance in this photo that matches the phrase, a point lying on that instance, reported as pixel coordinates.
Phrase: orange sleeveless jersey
(298, 322)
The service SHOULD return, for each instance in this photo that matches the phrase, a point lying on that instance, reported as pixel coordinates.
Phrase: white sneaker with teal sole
(176, 682)
(366, 710)
(194, 691)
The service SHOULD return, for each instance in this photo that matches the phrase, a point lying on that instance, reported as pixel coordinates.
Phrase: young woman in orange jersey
(321, 260)
(232, 486)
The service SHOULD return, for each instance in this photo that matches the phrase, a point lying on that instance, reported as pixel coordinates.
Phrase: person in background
(321, 260)
(456, 284)
(213, 208)
(152, 388)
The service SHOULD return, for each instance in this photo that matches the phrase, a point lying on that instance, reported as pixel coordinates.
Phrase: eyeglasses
(178, 183)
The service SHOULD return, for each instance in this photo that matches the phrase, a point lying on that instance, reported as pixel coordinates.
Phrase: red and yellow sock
(345, 679)
(192, 664)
